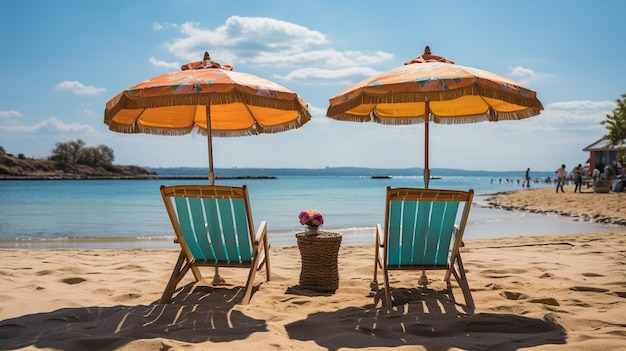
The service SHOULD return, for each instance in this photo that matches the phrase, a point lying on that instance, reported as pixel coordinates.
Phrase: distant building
(601, 153)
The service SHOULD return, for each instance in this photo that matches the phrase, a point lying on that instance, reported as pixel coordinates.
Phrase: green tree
(96, 156)
(616, 123)
(106, 154)
(89, 156)
(68, 152)
(76, 149)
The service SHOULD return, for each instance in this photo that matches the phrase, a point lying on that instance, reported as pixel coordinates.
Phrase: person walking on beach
(560, 178)
(578, 178)
(527, 178)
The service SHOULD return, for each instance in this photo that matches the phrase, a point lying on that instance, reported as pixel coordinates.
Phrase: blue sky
(63, 60)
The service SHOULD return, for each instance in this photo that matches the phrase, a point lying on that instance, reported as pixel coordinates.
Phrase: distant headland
(15, 168)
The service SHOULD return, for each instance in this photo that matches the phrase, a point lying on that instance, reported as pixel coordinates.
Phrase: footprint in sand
(72, 281)
(126, 297)
(588, 289)
(593, 275)
(546, 301)
(493, 286)
(513, 295)
(44, 272)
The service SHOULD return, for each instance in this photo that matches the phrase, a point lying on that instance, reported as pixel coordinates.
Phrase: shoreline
(497, 215)
(585, 206)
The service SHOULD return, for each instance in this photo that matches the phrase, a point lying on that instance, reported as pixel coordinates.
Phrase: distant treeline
(75, 152)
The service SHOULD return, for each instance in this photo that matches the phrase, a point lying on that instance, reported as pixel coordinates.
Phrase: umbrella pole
(210, 145)
(424, 279)
(426, 118)
(217, 280)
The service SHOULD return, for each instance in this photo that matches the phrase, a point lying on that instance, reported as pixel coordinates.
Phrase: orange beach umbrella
(432, 88)
(207, 98)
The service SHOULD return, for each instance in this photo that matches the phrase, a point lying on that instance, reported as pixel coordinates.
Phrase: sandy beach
(556, 292)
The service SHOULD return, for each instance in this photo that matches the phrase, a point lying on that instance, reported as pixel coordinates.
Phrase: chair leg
(374, 283)
(250, 282)
(196, 273)
(462, 280)
(378, 261)
(180, 269)
(266, 251)
(376, 265)
(387, 290)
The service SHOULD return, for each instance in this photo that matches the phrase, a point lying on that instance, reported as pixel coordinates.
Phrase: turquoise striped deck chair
(214, 227)
(423, 230)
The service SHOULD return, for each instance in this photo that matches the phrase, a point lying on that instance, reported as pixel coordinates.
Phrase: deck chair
(420, 234)
(214, 227)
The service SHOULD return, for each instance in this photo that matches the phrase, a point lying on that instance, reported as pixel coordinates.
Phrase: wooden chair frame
(214, 227)
(424, 236)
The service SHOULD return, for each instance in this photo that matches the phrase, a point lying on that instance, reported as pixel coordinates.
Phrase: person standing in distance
(560, 178)
(578, 178)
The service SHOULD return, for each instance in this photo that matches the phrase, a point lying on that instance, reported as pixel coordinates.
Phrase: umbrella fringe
(527, 99)
(484, 117)
(271, 100)
(283, 127)
(136, 128)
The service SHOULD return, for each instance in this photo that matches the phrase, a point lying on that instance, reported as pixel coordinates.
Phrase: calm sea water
(130, 213)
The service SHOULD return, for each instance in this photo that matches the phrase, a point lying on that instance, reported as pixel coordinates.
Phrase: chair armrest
(455, 237)
(260, 233)
(379, 234)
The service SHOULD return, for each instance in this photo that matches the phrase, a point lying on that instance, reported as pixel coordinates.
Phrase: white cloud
(570, 116)
(318, 73)
(527, 75)
(79, 88)
(163, 26)
(164, 64)
(51, 123)
(272, 43)
(321, 58)
(583, 104)
(239, 34)
(9, 114)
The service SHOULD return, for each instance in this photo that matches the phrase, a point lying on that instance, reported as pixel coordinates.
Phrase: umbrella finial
(427, 51)
(207, 57)
(428, 57)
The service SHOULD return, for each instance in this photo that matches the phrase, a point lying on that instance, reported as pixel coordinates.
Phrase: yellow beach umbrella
(207, 98)
(432, 88)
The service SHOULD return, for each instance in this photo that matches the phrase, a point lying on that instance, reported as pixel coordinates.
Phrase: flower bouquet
(313, 219)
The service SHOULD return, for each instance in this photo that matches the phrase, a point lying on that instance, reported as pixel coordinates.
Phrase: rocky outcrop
(16, 168)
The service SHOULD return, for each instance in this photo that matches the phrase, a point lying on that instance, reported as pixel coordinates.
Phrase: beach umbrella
(207, 98)
(430, 88)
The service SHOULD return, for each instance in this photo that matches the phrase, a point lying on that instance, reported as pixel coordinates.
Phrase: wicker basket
(319, 261)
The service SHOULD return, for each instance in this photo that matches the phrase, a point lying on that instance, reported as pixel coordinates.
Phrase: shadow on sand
(197, 314)
(427, 318)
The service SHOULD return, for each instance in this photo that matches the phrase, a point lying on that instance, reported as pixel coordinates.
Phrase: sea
(129, 213)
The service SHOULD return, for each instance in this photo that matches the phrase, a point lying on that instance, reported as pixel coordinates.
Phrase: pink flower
(304, 217)
(311, 218)
(317, 219)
